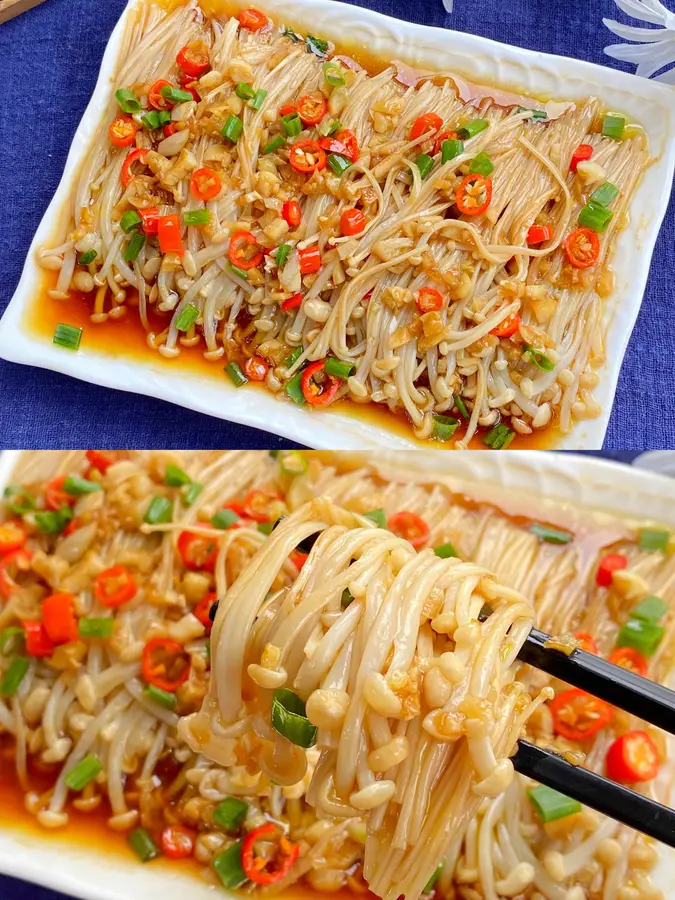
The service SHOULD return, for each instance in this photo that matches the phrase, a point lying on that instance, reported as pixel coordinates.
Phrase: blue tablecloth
(49, 58)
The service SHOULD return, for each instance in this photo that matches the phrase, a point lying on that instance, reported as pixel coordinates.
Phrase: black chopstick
(604, 796)
(643, 698)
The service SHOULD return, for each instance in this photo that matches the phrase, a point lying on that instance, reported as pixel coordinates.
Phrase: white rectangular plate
(483, 61)
(51, 859)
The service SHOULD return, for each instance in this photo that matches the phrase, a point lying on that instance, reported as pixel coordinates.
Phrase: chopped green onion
(159, 512)
(431, 883)
(259, 99)
(274, 144)
(175, 95)
(67, 336)
(163, 117)
(485, 612)
(236, 374)
(162, 698)
(316, 45)
(346, 598)
(654, 539)
(134, 247)
(283, 252)
(52, 522)
(15, 674)
(550, 535)
(377, 517)
(175, 477)
(266, 528)
(339, 164)
(224, 518)
(192, 493)
(443, 427)
(643, 636)
(539, 114)
(451, 149)
(228, 866)
(289, 719)
(595, 217)
(76, 486)
(651, 609)
(96, 628)
(23, 502)
(292, 124)
(241, 273)
(244, 91)
(613, 126)
(481, 165)
(130, 220)
(461, 406)
(187, 317)
(425, 164)
(333, 74)
(128, 101)
(11, 640)
(293, 462)
(232, 129)
(336, 125)
(499, 437)
(230, 814)
(605, 194)
(197, 217)
(551, 804)
(86, 259)
(294, 389)
(151, 119)
(472, 128)
(294, 357)
(292, 35)
(142, 844)
(446, 551)
(540, 359)
(84, 772)
(339, 369)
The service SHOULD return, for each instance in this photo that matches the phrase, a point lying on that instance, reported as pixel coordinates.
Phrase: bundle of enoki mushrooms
(387, 661)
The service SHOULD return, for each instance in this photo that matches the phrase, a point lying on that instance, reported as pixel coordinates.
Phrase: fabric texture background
(49, 60)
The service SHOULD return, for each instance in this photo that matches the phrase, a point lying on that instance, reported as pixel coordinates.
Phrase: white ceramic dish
(480, 60)
(54, 860)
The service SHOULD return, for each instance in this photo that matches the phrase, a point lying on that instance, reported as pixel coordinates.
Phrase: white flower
(655, 47)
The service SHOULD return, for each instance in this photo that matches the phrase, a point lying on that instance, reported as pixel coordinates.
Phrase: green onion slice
(175, 95)
(550, 535)
(11, 640)
(197, 217)
(128, 101)
(96, 628)
(259, 99)
(236, 374)
(431, 883)
(289, 719)
(316, 45)
(643, 636)
(77, 487)
(150, 119)
(377, 517)
(84, 772)
(232, 129)
(294, 389)
(228, 866)
(333, 74)
(224, 518)
(499, 437)
(17, 500)
(540, 359)
(293, 462)
(142, 844)
(651, 609)
(230, 814)
(332, 127)
(339, 164)
(346, 598)
(472, 128)
(67, 336)
(551, 804)
(339, 369)
(446, 551)
(86, 259)
(595, 217)
(244, 91)
(241, 273)
(292, 124)
(613, 126)
(425, 164)
(461, 406)
(14, 675)
(605, 194)
(283, 252)
(134, 247)
(176, 477)
(294, 357)
(443, 427)
(451, 149)
(159, 512)
(157, 695)
(187, 317)
(274, 144)
(191, 494)
(481, 165)
(266, 528)
(52, 521)
(654, 539)
(130, 220)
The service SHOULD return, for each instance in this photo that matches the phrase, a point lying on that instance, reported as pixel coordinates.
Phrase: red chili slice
(319, 393)
(349, 141)
(115, 586)
(631, 659)
(122, 131)
(428, 300)
(298, 558)
(178, 842)
(307, 156)
(102, 459)
(205, 184)
(294, 302)
(150, 219)
(587, 642)
(310, 260)
(194, 59)
(256, 368)
(38, 643)
(581, 154)
(169, 234)
(292, 213)
(539, 233)
(55, 496)
(203, 608)
(165, 664)
(474, 195)
(58, 617)
(288, 109)
(259, 870)
(155, 97)
(352, 221)
(411, 527)
(423, 124)
(127, 172)
(578, 715)
(198, 551)
(445, 136)
(508, 327)
(244, 251)
(582, 248)
(12, 537)
(252, 19)
(312, 108)
(633, 757)
(609, 564)
(261, 506)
